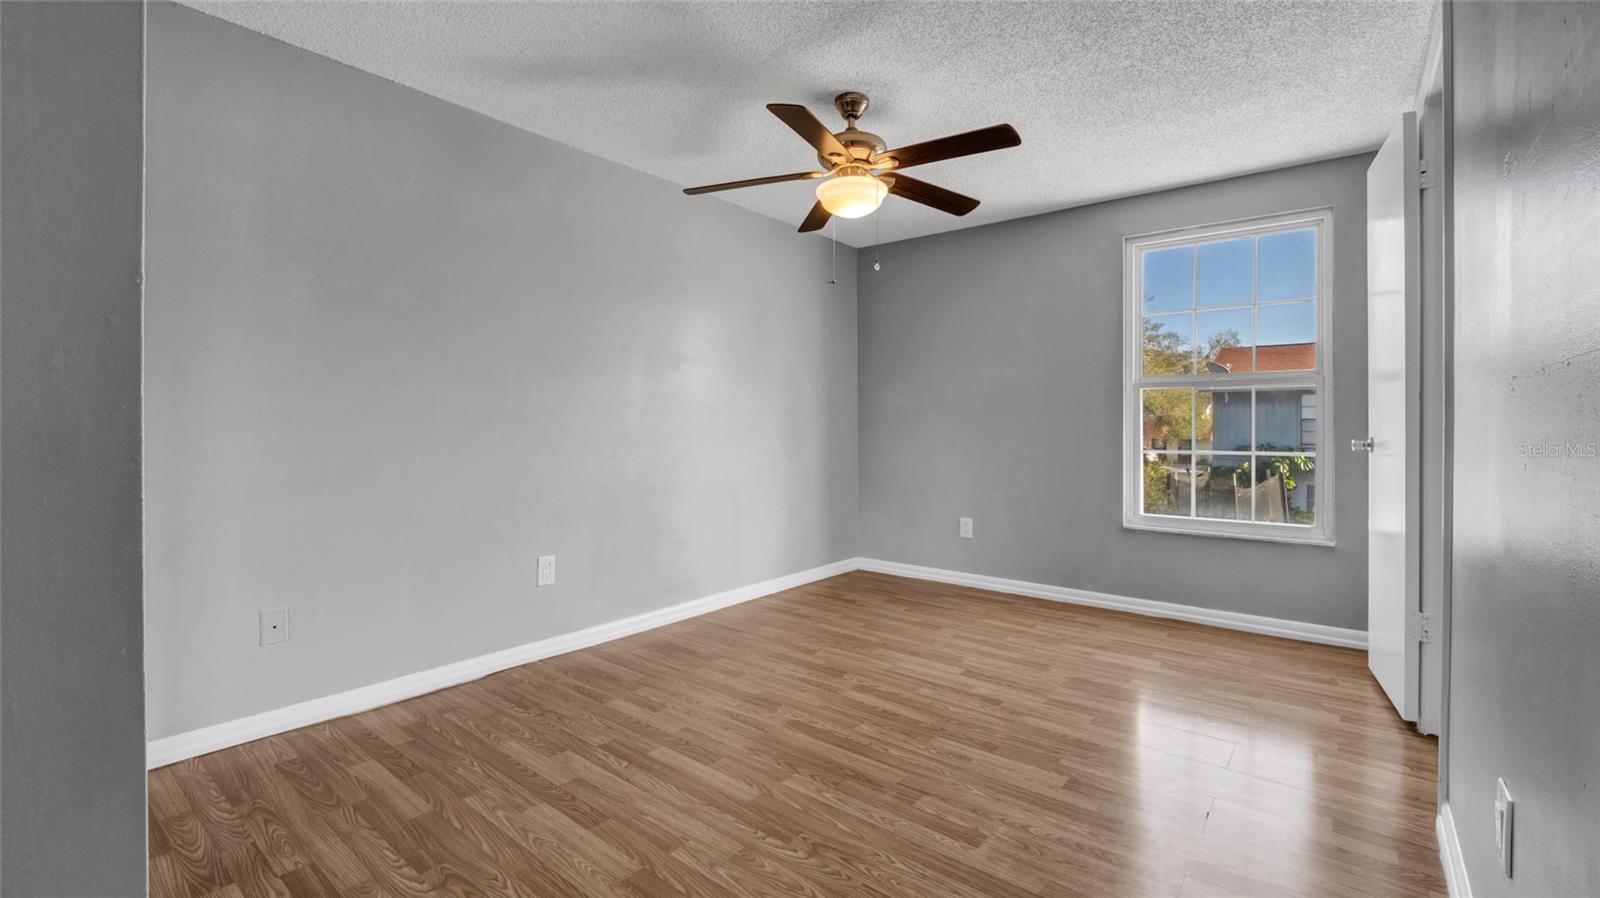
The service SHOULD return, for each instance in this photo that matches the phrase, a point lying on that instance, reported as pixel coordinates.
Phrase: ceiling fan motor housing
(860, 144)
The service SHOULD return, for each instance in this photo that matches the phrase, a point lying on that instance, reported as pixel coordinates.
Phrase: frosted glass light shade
(851, 196)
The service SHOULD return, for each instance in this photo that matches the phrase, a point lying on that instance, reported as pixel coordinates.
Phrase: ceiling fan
(858, 172)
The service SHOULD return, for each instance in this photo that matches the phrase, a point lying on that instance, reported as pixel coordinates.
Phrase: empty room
(897, 450)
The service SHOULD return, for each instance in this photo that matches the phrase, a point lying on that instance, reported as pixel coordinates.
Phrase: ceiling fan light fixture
(853, 195)
(852, 159)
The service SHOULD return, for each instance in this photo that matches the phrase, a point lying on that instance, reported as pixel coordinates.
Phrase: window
(1226, 402)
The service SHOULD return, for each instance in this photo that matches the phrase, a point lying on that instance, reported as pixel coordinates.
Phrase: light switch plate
(274, 623)
(547, 570)
(1503, 818)
(966, 528)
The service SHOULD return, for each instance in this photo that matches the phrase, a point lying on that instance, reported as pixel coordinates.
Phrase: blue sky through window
(1224, 273)
(1216, 274)
(1294, 322)
(1169, 279)
(1286, 265)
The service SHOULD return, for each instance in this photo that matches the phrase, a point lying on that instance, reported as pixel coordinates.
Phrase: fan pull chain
(877, 238)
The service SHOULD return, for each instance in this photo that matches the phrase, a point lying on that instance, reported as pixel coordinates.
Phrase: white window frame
(1133, 381)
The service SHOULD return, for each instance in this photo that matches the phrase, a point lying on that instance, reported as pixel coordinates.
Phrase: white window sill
(1269, 533)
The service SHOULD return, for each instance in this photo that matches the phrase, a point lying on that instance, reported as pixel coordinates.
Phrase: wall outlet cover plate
(1503, 818)
(274, 624)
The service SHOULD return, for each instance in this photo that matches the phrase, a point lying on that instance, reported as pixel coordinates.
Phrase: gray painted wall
(72, 818)
(1525, 615)
(397, 350)
(991, 388)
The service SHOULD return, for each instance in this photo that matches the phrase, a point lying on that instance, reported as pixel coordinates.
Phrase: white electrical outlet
(547, 570)
(274, 624)
(966, 528)
(1503, 807)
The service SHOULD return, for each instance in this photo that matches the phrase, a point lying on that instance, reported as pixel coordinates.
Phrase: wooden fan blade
(994, 137)
(815, 219)
(930, 195)
(815, 133)
(753, 182)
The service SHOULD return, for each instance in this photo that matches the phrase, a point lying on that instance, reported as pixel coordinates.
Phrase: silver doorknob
(1361, 445)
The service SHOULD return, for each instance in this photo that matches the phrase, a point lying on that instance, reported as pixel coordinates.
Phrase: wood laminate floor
(864, 735)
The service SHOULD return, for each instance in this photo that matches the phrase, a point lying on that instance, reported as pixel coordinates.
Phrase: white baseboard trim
(1455, 866)
(1231, 620)
(172, 749)
(258, 726)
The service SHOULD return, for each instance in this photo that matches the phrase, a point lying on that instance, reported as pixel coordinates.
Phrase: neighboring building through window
(1225, 392)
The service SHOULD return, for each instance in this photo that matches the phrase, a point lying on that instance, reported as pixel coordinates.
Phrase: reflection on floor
(865, 735)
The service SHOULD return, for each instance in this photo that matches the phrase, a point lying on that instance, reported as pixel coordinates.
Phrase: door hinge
(1426, 176)
(1419, 627)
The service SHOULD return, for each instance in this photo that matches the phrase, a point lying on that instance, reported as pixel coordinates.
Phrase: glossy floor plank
(865, 735)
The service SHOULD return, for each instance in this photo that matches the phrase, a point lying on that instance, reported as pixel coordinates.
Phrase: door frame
(1434, 449)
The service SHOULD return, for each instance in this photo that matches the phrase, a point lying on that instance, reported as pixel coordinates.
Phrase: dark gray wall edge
(72, 785)
(1524, 666)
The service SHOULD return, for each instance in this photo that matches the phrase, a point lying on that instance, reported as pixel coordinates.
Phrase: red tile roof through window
(1272, 357)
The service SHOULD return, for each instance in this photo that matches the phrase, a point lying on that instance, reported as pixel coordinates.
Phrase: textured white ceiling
(1111, 98)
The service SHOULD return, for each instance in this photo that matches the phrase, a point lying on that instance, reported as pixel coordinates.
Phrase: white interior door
(1393, 418)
